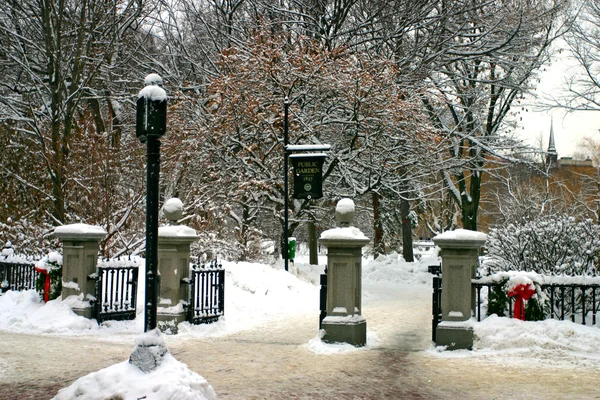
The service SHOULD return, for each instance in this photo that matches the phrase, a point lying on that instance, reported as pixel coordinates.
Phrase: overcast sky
(569, 129)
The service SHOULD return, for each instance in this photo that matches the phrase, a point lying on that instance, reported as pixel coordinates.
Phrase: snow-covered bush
(547, 245)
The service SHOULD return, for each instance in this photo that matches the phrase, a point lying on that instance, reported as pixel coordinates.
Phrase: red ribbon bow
(46, 283)
(522, 292)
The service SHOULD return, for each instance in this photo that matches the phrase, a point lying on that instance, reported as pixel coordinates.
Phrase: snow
(308, 147)
(345, 206)
(170, 380)
(347, 319)
(303, 155)
(461, 235)
(528, 277)
(176, 231)
(345, 233)
(256, 294)
(153, 93)
(79, 229)
(153, 79)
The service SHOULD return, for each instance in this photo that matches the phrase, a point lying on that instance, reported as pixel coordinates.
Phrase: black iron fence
(436, 305)
(579, 303)
(116, 291)
(17, 274)
(576, 302)
(207, 293)
(323, 298)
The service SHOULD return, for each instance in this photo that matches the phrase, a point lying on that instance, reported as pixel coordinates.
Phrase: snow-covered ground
(258, 293)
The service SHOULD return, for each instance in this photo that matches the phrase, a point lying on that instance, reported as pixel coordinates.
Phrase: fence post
(173, 267)
(460, 252)
(80, 257)
(344, 322)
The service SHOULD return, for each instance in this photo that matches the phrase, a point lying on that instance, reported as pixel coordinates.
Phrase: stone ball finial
(173, 209)
(344, 212)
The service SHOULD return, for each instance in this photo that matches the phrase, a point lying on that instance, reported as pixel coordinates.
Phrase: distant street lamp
(150, 125)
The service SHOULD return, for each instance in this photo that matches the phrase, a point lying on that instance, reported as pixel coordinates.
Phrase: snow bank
(171, 380)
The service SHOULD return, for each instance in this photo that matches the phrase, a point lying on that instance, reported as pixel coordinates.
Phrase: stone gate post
(173, 266)
(344, 322)
(80, 258)
(460, 252)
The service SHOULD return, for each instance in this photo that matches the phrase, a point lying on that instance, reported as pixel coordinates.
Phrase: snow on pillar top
(173, 211)
(460, 238)
(79, 232)
(345, 235)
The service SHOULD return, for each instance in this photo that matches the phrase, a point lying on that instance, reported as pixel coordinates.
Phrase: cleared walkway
(273, 362)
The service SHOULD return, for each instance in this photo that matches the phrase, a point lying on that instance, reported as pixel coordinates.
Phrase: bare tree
(491, 50)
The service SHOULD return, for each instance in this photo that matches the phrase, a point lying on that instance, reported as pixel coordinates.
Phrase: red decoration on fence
(522, 292)
(46, 283)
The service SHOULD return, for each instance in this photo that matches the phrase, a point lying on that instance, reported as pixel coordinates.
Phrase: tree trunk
(407, 243)
(470, 206)
(378, 244)
(313, 246)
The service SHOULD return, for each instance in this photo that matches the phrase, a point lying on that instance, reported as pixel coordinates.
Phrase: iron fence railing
(207, 293)
(578, 302)
(17, 275)
(116, 292)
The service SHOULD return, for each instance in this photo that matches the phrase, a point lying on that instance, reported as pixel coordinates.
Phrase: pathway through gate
(272, 362)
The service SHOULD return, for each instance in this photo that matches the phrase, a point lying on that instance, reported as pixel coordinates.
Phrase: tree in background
(492, 50)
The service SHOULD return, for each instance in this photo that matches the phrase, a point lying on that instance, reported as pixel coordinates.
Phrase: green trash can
(291, 248)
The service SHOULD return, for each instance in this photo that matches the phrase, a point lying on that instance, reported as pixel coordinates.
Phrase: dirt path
(273, 362)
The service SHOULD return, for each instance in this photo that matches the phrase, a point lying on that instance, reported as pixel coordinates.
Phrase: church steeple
(551, 154)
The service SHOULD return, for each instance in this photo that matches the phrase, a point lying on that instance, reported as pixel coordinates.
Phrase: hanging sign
(308, 175)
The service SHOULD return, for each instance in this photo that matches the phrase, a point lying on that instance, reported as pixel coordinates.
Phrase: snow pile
(257, 293)
(254, 294)
(170, 380)
(559, 342)
(25, 312)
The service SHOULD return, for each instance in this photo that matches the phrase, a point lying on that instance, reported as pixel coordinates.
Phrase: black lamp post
(286, 106)
(150, 125)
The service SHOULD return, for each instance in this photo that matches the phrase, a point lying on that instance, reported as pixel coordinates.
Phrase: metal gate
(116, 291)
(207, 293)
(436, 303)
(17, 275)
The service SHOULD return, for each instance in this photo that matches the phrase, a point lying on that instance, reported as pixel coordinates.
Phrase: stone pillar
(80, 258)
(173, 266)
(344, 322)
(460, 252)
